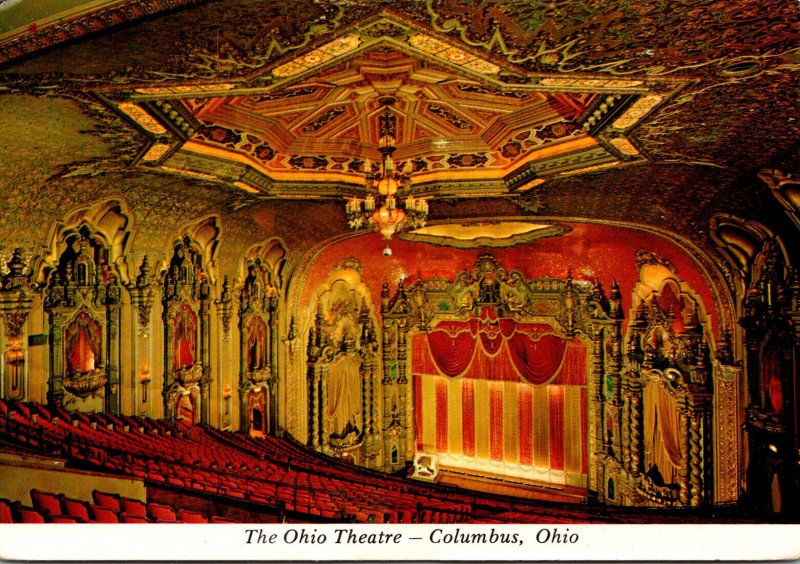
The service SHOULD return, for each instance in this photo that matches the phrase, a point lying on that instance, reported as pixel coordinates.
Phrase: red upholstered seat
(103, 515)
(104, 499)
(75, 508)
(45, 503)
(187, 516)
(65, 519)
(5, 511)
(25, 514)
(215, 519)
(132, 506)
(158, 511)
(128, 518)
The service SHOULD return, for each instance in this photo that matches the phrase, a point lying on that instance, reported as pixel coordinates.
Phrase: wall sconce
(15, 360)
(144, 378)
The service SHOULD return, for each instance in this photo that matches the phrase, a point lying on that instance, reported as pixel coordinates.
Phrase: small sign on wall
(37, 340)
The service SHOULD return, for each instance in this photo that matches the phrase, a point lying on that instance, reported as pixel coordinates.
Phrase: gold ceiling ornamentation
(624, 146)
(452, 54)
(317, 57)
(637, 111)
(140, 116)
(156, 152)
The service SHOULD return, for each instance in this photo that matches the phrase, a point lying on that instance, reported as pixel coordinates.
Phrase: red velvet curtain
(441, 415)
(184, 338)
(536, 361)
(508, 351)
(468, 417)
(525, 399)
(496, 421)
(556, 409)
(418, 418)
(451, 353)
(83, 344)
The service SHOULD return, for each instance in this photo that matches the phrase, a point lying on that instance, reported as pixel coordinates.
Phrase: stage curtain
(455, 412)
(468, 417)
(556, 408)
(511, 424)
(441, 415)
(419, 419)
(525, 398)
(574, 368)
(662, 432)
(536, 360)
(343, 395)
(451, 353)
(496, 420)
(482, 419)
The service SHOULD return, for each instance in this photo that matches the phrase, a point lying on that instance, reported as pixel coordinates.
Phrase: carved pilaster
(637, 455)
(685, 467)
(695, 458)
(314, 416)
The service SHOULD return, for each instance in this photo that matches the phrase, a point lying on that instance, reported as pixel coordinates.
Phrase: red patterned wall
(590, 251)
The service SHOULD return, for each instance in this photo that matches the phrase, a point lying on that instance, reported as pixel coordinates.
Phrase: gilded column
(685, 468)
(636, 426)
(323, 402)
(626, 428)
(314, 415)
(695, 458)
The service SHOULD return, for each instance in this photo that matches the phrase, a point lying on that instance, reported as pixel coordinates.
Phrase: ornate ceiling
(661, 112)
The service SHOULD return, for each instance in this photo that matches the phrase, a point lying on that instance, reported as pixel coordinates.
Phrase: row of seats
(105, 507)
(273, 472)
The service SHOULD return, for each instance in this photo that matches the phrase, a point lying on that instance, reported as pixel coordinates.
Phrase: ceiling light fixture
(382, 212)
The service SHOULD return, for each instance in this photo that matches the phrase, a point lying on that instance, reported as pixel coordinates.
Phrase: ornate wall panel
(186, 300)
(15, 305)
(667, 456)
(344, 387)
(82, 300)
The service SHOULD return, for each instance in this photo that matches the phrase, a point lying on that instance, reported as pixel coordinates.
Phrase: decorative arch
(186, 299)
(110, 225)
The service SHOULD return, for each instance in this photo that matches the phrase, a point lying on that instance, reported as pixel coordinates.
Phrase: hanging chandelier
(382, 211)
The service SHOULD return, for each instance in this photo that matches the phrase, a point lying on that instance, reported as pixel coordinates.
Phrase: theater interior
(419, 261)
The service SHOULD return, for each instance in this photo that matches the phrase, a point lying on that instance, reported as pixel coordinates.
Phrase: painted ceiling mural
(656, 111)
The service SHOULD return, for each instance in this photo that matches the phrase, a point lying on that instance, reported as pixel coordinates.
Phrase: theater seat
(187, 516)
(46, 503)
(75, 508)
(128, 518)
(215, 519)
(132, 506)
(25, 514)
(161, 512)
(109, 500)
(64, 519)
(6, 515)
(103, 515)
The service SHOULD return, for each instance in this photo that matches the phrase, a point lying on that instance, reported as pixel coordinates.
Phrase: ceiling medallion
(382, 212)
